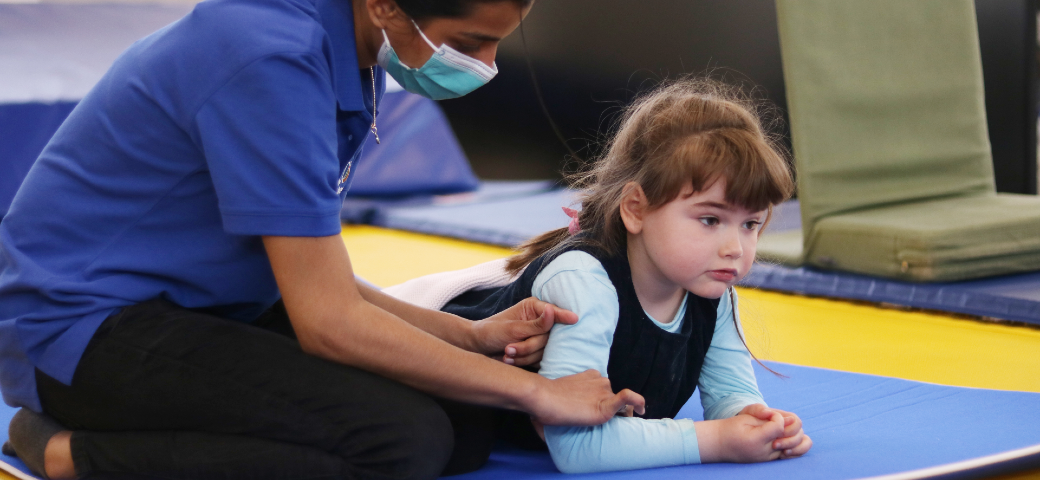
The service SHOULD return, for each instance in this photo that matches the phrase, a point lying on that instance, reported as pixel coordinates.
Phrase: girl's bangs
(756, 176)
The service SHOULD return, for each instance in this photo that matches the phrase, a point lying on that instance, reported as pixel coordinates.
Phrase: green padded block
(889, 132)
(784, 248)
(886, 102)
(939, 240)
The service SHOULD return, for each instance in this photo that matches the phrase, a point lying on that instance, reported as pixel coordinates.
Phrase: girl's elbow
(566, 464)
(569, 458)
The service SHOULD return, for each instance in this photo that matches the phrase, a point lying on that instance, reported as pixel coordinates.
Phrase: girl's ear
(386, 15)
(633, 206)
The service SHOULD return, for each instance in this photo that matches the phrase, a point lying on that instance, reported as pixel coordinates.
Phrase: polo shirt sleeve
(269, 138)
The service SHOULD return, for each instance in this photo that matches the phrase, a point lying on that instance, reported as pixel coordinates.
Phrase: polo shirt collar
(337, 17)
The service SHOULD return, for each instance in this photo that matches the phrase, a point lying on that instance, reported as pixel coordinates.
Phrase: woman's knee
(474, 430)
(433, 440)
(414, 443)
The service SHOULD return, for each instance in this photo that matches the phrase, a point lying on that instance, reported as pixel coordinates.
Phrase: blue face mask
(447, 74)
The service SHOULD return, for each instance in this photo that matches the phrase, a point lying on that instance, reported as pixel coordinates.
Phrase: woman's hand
(518, 335)
(794, 442)
(630, 401)
(581, 399)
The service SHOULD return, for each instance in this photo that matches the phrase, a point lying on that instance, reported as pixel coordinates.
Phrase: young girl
(670, 220)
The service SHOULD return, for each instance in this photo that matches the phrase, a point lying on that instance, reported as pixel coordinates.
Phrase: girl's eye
(752, 224)
(709, 221)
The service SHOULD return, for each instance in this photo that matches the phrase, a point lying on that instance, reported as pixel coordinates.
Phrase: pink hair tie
(573, 227)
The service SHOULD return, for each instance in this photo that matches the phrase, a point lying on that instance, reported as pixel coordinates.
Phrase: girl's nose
(731, 247)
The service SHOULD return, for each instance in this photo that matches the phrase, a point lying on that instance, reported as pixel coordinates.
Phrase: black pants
(165, 392)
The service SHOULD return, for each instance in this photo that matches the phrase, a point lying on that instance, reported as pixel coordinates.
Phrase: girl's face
(697, 242)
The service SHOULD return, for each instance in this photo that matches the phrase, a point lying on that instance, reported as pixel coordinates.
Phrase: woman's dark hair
(423, 9)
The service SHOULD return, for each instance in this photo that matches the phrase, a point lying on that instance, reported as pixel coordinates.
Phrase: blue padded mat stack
(51, 55)
(511, 219)
(861, 425)
(498, 213)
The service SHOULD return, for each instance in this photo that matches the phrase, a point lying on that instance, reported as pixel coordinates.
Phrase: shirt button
(350, 137)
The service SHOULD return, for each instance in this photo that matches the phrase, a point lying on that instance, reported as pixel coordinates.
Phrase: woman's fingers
(512, 332)
(628, 398)
(561, 315)
(532, 360)
(527, 347)
(580, 399)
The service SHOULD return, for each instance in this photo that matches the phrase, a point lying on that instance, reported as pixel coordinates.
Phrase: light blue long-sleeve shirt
(578, 282)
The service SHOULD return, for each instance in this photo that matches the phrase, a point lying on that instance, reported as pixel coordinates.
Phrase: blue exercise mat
(498, 213)
(376, 210)
(510, 221)
(418, 152)
(861, 425)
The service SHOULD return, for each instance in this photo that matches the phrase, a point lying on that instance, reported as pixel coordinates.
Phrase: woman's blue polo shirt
(241, 119)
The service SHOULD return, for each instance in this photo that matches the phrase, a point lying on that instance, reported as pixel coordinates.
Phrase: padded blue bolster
(418, 153)
(499, 213)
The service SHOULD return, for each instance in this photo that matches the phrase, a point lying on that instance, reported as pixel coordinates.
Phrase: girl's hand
(740, 439)
(794, 442)
(518, 335)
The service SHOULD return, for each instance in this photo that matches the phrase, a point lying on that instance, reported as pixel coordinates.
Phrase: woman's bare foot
(57, 458)
(43, 444)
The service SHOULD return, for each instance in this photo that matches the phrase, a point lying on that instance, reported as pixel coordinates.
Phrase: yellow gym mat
(836, 334)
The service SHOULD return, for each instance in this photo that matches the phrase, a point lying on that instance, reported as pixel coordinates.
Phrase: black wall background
(592, 56)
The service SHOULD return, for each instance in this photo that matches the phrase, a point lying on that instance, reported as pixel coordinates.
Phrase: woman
(175, 292)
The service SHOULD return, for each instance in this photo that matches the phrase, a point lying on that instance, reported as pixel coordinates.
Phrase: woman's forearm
(445, 326)
(333, 320)
(370, 338)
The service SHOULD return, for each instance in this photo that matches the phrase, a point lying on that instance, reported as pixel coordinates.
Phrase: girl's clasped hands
(757, 434)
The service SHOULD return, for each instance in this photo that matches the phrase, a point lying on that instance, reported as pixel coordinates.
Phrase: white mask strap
(423, 35)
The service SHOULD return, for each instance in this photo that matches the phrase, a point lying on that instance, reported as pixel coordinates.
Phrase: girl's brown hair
(693, 131)
(689, 131)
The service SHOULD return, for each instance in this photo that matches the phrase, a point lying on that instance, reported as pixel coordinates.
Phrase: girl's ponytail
(536, 247)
